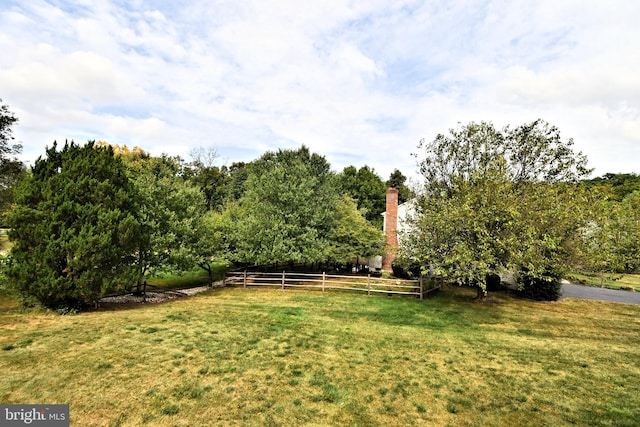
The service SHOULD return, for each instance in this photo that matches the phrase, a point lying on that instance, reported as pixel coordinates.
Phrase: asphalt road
(600, 294)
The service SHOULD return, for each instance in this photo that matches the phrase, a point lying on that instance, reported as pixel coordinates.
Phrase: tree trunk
(144, 291)
(207, 267)
(482, 294)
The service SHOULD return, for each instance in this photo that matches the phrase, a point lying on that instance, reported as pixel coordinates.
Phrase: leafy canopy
(291, 211)
(398, 181)
(170, 210)
(287, 209)
(496, 200)
(366, 188)
(352, 235)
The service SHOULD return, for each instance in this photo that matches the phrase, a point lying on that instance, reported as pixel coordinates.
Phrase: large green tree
(465, 233)
(287, 209)
(171, 208)
(629, 230)
(208, 246)
(75, 227)
(495, 201)
(398, 181)
(238, 173)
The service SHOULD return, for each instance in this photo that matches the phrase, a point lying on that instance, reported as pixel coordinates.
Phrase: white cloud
(360, 82)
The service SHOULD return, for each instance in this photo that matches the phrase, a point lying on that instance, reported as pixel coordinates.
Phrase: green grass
(629, 282)
(195, 277)
(267, 357)
(173, 281)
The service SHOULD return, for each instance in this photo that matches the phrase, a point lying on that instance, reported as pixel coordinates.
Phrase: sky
(360, 82)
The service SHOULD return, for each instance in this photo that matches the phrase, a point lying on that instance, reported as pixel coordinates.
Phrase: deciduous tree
(398, 181)
(171, 209)
(7, 120)
(352, 235)
(288, 209)
(496, 200)
(211, 179)
(610, 239)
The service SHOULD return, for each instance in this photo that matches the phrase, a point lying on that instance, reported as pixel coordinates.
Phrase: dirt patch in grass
(153, 297)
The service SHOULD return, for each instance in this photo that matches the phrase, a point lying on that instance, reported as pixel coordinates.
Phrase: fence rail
(418, 288)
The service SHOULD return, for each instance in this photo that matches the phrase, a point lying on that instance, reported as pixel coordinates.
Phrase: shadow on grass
(109, 306)
(453, 305)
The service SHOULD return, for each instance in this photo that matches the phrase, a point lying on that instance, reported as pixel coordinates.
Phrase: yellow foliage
(122, 150)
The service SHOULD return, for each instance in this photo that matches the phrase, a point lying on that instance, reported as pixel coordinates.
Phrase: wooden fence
(418, 288)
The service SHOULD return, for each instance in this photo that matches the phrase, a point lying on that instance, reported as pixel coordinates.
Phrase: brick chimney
(391, 229)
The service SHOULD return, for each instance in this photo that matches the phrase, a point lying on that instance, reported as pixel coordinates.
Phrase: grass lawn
(270, 357)
(611, 280)
(187, 279)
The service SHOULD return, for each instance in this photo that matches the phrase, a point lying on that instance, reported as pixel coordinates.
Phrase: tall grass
(267, 357)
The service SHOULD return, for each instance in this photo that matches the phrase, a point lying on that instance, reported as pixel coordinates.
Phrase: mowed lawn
(271, 357)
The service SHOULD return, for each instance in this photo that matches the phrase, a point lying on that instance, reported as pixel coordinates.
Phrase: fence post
(368, 284)
(421, 287)
(244, 279)
(283, 275)
(324, 275)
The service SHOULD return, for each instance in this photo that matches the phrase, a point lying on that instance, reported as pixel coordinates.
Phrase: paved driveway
(585, 292)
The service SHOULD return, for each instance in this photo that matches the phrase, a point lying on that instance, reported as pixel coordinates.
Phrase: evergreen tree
(75, 228)
(367, 189)
(398, 181)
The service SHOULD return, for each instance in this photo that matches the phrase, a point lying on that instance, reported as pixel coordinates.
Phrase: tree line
(88, 220)
(93, 219)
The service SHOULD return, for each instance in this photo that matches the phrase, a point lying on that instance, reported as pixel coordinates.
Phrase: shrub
(404, 269)
(545, 288)
(493, 283)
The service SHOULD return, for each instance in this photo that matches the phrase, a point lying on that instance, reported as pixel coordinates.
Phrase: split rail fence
(371, 285)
